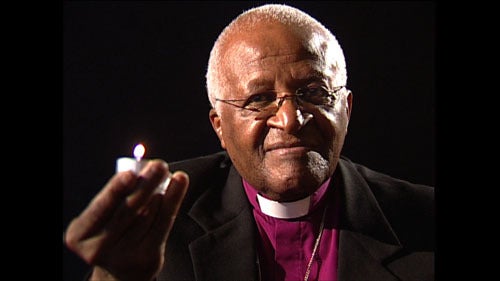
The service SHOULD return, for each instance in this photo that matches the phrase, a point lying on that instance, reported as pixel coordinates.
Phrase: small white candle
(136, 164)
(132, 164)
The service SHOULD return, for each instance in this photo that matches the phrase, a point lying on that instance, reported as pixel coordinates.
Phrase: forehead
(266, 40)
(270, 49)
(293, 75)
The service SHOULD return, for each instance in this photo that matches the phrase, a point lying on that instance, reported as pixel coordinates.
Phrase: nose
(289, 117)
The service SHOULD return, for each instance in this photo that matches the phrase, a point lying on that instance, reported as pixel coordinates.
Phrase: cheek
(241, 135)
(333, 124)
(244, 144)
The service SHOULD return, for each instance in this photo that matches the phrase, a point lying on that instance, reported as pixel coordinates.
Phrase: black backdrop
(134, 72)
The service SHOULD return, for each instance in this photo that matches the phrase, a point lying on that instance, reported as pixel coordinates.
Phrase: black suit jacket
(386, 226)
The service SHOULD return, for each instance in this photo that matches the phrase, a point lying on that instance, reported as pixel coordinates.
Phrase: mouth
(288, 148)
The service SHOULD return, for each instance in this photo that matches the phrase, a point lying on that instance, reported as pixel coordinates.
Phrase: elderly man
(279, 202)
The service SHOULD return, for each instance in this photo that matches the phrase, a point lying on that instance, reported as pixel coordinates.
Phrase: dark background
(134, 72)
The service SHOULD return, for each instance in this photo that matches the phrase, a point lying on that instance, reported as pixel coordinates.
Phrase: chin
(291, 188)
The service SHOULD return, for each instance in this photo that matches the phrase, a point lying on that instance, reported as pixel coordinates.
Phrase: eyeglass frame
(333, 93)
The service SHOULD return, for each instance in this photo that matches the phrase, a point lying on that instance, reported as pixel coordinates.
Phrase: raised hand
(124, 229)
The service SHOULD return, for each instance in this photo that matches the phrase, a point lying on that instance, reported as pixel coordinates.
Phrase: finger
(155, 172)
(100, 209)
(149, 230)
(170, 205)
(142, 222)
(135, 207)
(121, 242)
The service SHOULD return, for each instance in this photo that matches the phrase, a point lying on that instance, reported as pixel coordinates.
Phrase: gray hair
(321, 42)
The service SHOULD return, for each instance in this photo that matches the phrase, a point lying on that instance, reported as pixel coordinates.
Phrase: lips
(287, 145)
(276, 140)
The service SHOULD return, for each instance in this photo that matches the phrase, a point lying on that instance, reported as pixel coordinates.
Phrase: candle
(132, 164)
(136, 164)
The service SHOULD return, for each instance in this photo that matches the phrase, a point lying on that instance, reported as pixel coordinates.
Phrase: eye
(260, 100)
(314, 94)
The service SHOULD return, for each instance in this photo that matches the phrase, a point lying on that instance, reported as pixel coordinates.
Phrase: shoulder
(205, 173)
(408, 207)
(384, 185)
(202, 164)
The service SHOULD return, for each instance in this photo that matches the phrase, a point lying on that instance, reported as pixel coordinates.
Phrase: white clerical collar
(284, 210)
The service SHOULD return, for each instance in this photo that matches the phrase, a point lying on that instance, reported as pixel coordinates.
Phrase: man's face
(285, 156)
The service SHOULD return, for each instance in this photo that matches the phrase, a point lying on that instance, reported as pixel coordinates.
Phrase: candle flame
(139, 151)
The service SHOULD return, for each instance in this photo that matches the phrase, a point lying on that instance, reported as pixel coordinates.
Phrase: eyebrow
(263, 83)
(258, 84)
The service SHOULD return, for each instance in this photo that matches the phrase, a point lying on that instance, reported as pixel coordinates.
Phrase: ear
(216, 125)
(349, 104)
(348, 108)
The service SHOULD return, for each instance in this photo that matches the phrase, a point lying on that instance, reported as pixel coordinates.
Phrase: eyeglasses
(264, 104)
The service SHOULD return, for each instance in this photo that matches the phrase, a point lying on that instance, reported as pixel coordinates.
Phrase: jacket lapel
(362, 257)
(227, 251)
(367, 242)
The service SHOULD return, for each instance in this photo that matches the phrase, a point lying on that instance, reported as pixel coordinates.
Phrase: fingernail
(162, 188)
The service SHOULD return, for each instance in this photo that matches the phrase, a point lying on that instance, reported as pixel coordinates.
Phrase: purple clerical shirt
(286, 245)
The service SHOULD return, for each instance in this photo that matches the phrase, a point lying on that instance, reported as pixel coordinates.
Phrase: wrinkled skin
(284, 158)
